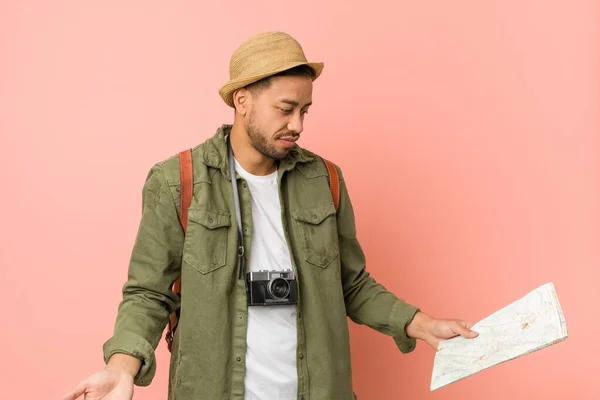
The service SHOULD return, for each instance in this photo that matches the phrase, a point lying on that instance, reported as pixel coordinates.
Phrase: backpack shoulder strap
(334, 182)
(185, 168)
(185, 191)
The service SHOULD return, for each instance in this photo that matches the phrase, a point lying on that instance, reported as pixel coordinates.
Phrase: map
(531, 323)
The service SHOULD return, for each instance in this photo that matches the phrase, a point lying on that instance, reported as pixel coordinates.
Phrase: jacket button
(301, 356)
(238, 359)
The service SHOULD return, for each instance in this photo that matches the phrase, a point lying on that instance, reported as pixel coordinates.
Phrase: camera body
(271, 288)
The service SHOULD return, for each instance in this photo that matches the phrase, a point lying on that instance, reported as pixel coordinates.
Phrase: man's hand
(115, 382)
(107, 384)
(432, 330)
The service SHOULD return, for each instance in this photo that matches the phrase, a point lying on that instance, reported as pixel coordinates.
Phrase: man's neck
(247, 156)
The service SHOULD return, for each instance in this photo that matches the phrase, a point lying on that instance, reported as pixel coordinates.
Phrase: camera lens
(278, 288)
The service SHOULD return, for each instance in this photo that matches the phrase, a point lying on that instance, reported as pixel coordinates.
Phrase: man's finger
(76, 392)
(463, 328)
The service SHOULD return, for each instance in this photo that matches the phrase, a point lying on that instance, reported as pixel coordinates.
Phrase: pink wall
(477, 123)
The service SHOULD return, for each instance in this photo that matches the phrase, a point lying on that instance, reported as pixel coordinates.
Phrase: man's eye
(285, 110)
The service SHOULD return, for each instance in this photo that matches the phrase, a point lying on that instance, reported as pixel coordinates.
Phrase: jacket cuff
(135, 346)
(401, 315)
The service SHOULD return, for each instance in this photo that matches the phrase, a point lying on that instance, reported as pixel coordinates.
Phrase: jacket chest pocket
(205, 248)
(317, 231)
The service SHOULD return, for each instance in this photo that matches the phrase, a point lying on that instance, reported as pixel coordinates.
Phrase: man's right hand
(115, 382)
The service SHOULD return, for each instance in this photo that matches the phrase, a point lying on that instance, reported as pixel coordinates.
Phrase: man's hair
(301, 70)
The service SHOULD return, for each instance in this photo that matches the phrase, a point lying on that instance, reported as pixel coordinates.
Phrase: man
(228, 344)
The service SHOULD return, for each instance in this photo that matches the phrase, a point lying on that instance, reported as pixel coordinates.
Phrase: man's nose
(296, 123)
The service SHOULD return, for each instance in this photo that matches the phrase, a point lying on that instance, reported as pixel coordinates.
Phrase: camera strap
(334, 185)
(238, 214)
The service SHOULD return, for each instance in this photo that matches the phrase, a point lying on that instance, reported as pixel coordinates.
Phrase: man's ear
(241, 100)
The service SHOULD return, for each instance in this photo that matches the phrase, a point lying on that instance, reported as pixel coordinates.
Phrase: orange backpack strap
(334, 183)
(185, 190)
(185, 168)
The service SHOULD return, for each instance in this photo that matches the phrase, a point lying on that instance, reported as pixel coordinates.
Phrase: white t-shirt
(271, 336)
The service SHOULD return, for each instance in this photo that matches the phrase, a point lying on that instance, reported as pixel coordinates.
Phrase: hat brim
(228, 88)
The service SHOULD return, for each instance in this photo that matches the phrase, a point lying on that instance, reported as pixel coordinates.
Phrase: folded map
(531, 323)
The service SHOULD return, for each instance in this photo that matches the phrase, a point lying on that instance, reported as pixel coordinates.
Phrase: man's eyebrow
(294, 103)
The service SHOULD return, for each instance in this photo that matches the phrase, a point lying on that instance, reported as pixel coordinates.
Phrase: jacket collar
(215, 153)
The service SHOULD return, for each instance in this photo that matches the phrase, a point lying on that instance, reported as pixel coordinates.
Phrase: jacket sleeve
(155, 264)
(367, 301)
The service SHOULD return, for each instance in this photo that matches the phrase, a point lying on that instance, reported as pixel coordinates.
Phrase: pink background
(478, 177)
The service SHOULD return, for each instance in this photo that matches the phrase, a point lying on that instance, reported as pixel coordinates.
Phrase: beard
(260, 143)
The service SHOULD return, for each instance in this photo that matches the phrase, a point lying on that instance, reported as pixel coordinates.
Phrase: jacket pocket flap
(209, 218)
(314, 215)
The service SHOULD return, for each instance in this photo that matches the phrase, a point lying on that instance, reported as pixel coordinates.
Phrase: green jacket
(207, 360)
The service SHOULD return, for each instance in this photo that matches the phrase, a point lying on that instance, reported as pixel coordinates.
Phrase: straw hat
(263, 55)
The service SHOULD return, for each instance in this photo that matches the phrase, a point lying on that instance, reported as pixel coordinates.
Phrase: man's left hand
(433, 330)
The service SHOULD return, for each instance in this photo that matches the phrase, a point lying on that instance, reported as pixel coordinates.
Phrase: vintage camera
(271, 288)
